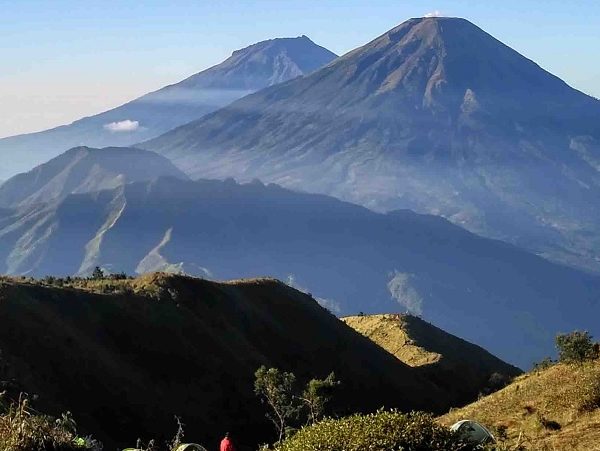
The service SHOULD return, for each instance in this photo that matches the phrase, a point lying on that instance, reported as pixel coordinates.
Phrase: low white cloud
(330, 304)
(122, 126)
(402, 287)
(436, 13)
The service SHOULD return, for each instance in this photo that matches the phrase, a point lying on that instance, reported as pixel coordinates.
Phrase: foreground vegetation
(24, 429)
(381, 431)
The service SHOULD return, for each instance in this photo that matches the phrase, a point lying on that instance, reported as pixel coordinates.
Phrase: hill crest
(83, 170)
(454, 363)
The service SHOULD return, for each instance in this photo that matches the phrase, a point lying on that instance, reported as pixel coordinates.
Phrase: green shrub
(276, 389)
(576, 347)
(381, 431)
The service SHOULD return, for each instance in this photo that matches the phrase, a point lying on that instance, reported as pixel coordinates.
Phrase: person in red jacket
(227, 444)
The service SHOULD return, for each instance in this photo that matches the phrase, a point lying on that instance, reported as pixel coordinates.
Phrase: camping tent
(473, 432)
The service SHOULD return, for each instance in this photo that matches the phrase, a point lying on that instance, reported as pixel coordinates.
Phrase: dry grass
(151, 284)
(22, 429)
(460, 368)
(390, 332)
(553, 409)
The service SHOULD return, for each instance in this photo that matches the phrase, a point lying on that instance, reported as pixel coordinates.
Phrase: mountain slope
(246, 71)
(455, 364)
(436, 116)
(126, 356)
(82, 170)
(556, 408)
(352, 259)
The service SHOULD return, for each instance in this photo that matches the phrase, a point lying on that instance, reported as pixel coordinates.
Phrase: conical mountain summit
(435, 115)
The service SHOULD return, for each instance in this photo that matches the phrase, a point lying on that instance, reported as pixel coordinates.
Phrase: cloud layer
(436, 13)
(122, 126)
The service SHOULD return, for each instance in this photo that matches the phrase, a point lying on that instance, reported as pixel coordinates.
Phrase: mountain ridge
(351, 258)
(457, 365)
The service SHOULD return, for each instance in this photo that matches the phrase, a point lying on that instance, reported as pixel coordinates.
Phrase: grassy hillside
(554, 409)
(456, 365)
(126, 356)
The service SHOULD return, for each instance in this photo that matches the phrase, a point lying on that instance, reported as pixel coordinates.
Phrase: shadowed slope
(126, 356)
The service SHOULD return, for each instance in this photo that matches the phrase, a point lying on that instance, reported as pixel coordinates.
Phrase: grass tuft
(23, 429)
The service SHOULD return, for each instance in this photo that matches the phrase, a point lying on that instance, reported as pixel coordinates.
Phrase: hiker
(227, 444)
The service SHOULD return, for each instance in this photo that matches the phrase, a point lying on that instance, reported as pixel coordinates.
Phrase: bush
(275, 388)
(576, 347)
(381, 431)
(22, 429)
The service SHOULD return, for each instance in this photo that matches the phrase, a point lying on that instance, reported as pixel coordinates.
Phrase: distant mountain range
(247, 70)
(351, 258)
(436, 116)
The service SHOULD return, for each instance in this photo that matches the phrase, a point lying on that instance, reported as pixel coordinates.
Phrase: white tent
(473, 432)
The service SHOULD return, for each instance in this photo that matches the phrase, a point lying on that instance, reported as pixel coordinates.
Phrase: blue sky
(63, 59)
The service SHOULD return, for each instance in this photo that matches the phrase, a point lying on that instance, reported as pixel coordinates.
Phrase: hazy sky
(64, 59)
